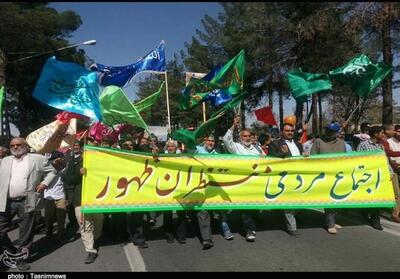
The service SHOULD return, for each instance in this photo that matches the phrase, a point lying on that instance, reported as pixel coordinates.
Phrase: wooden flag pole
(353, 112)
(204, 112)
(168, 113)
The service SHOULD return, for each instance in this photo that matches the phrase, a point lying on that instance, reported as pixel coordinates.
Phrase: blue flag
(217, 97)
(69, 87)
(122, 75)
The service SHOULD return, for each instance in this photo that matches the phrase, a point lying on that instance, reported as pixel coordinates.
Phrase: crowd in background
(46, 189)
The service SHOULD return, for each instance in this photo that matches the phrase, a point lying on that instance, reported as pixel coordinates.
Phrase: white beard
(247, 144)
(20, 152)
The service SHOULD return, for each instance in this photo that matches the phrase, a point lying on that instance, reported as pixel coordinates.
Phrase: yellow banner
(126, 181)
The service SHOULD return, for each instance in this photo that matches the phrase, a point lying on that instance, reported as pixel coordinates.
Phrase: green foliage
(26, 29)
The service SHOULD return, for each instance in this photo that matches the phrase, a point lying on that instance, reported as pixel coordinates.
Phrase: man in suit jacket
(24, 176)
(285, 147)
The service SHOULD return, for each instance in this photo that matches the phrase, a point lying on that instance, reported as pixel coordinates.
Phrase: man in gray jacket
(24, 176)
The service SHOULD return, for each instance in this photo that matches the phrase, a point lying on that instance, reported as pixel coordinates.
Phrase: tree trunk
(299, 112)
(387, 112)
(314, 114)
(280, 107)
(320, 114)
(270, 92)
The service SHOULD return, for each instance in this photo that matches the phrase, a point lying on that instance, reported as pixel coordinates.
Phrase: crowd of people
(48, 187)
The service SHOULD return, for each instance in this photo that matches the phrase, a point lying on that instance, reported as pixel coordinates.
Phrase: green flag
(194, 93)
(305, 84)
(147, 102)
(117, 109)
(207, 127)
(230, 77)
(1, 101)
(185, 136)
(361, 75)
(190, 137)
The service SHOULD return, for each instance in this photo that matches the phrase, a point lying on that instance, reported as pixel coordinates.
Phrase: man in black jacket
(285, 147)
(72, 178)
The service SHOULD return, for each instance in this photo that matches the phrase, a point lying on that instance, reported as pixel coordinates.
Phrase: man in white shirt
(24, 176)
(244, 147)
(54, 195)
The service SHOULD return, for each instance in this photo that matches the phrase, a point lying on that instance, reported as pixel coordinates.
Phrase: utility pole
(5, 125)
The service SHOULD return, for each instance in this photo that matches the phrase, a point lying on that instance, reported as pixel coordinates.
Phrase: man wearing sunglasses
(24, 176)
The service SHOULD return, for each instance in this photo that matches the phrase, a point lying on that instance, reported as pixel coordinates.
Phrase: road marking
(134, 258)
(388, 226)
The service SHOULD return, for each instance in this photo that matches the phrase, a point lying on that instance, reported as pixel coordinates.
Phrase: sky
(127, 31)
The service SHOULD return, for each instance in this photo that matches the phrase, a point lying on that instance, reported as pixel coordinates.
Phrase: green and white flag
(361, 75)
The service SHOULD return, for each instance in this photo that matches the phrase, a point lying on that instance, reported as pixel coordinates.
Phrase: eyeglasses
(15, 145)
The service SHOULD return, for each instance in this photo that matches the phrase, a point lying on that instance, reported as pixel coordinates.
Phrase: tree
(27, 28)
(381, 21)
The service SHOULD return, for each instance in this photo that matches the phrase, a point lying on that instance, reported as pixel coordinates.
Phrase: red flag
(65, 116)
(98, 131)
(265, 115)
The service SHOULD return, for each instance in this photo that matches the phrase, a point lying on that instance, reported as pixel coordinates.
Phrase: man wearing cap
(329, 143)
(54, 198)
(24, 176)
(285, 147)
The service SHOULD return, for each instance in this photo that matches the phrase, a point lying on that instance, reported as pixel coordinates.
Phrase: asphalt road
(356, 247)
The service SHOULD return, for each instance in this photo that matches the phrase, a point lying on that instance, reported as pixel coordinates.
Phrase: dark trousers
(117, 225)
(69, 196)
(26, 225)
(371, 214)
(330, 214)
(135, 227)
(180, 227)
(247, 221)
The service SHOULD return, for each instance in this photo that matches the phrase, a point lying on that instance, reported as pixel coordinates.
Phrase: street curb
(134, 258)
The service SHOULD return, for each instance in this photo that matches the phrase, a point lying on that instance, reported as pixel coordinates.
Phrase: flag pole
(353, 112)
(166, 91)
(204, 112)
